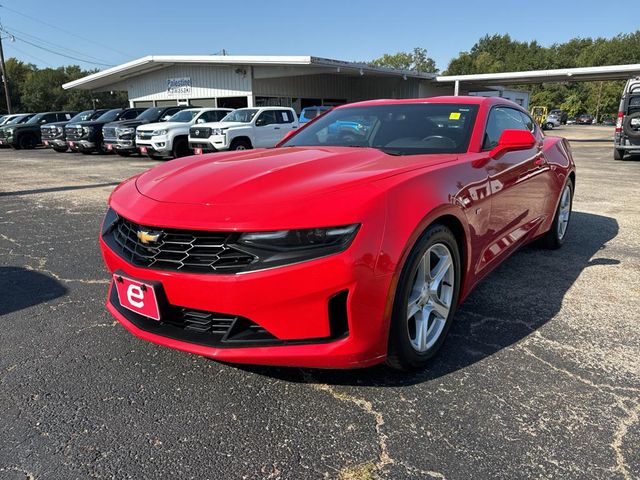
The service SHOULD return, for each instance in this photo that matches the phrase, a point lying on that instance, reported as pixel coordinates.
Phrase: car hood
(223, 124)
(165, 125)
(279, 175)
(55, 124)
(127, 123)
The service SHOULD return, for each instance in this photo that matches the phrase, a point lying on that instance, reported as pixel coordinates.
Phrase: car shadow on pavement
(22, 288)
(516, 299)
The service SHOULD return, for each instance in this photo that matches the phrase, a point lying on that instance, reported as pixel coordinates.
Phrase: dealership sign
(178, 86)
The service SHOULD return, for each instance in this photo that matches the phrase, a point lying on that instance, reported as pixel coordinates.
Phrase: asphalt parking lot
(540, 377)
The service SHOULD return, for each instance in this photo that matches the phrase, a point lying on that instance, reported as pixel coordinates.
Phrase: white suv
(245, 128)
(170, 138)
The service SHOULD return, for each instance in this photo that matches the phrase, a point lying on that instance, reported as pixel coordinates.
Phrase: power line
(83, 60)
(13, 47)
(65, 31)
(53, 45)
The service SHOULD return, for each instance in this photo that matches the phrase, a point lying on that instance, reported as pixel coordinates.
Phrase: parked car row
(158, 132)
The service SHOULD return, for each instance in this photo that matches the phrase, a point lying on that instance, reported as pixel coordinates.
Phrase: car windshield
(184, 116)
(109, 116)
(19, 119)
(82, 116)
(36, 118)
(244, 115)
(396, 129)
(150, 114)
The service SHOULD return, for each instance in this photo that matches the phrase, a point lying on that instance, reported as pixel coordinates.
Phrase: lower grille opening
(338, 316)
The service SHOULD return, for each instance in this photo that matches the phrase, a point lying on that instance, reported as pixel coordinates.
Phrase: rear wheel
(555, 237)
(426, 299)
(240, 144)
(618, 154)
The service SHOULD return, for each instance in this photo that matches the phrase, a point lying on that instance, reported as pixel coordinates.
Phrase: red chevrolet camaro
(350, 243)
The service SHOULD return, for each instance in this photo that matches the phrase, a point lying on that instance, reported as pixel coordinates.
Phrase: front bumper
(214, 143)
(156, 146)
(125, 146)
(81, 145)
(291, 303)
(54, 142)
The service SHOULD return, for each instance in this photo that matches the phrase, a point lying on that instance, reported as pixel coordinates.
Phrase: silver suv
(627, 137)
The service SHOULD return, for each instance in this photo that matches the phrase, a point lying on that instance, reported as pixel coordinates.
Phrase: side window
(501, 119)
(129, 114)
(284, 116)
(219, 115)
(170, 112)
(50, 117)
(266, 118)
(528, 122)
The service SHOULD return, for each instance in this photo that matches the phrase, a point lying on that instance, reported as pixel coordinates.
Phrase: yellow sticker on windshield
(454, 116)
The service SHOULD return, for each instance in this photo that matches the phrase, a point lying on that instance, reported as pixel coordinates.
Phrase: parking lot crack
(632, 417)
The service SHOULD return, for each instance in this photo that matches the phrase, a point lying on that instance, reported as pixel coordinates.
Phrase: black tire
(401, 354)
(180, 148)
(618, 154)
(549, 126)
(86, 152)
(240, 144)
(155, 157)
(60, 149)
(101, 149)
(123, 153)
(628, 129)
(27, 142)
(552, 240)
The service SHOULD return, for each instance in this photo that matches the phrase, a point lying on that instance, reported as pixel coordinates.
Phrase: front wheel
(27, 142)
(240, 144)
(426, 299)
(555, 237)
(549, 126)
(618, 154)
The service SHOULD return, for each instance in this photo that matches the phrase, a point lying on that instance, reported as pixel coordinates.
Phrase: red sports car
(350, 243)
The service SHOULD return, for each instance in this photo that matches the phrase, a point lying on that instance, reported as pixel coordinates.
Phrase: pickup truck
(170, 138)
(243, 129)
(27, 134)
(86, 137)
(16, 120)
(53, 135)
(120, 136)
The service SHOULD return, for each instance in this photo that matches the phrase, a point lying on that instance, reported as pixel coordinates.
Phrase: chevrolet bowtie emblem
(147, 237)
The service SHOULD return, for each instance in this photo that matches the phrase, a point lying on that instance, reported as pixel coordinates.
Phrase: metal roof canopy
(582, 74)
(311, 65)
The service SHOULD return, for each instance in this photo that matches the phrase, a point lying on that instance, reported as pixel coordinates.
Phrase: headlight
(87, 130)
(219, 131)
(282, 247)
(156, 133)
(109, 221)
(10, 131)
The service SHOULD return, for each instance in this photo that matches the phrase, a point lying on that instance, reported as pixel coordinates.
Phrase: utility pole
(5, 81)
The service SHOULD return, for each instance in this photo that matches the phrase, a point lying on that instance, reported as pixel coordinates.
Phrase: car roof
(462, 99)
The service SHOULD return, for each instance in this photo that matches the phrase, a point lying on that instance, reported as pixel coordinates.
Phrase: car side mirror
(260, 122)
(512, 140)
(44, 120)
(286, 137)
(200, 120)
(165, 118)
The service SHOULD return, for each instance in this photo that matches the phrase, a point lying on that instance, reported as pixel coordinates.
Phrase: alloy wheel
(430, 297)
(564, 212)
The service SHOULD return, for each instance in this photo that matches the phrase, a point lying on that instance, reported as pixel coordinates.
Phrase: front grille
(73, 133)
(144, 135)
(181, 250)
(51, 133)
(200, 132)
(109, 133)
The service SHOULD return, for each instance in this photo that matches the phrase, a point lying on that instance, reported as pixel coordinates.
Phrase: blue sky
(346, 30)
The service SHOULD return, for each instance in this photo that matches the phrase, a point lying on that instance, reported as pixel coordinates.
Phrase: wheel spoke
(440, 270)
(439, 307)
(413, 308)
(422, 328)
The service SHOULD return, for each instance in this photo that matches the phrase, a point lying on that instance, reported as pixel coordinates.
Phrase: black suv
(53, 135)
(627, 137)
(86, 137)
(121, 136)
(11, 124)
(27, 135)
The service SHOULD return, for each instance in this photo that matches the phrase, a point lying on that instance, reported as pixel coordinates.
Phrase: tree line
(34, 89)
(500, 53)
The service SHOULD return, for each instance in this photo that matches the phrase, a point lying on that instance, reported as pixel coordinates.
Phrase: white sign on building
(178, 86)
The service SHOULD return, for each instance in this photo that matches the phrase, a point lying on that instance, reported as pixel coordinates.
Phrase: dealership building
(247, 81)
(237, 81)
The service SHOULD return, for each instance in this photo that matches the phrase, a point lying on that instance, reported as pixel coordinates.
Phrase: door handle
(276, 128)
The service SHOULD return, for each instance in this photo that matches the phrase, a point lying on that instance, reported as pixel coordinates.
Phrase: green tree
(417, 60)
